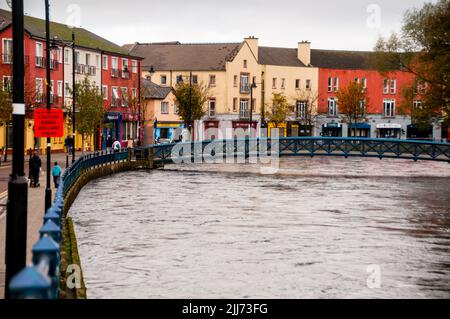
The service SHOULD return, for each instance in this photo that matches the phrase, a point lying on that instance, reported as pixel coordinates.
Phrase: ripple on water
(310, 230)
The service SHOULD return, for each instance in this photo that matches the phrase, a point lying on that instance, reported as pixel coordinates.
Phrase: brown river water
(316, 228)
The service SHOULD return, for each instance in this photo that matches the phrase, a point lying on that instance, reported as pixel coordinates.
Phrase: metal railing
(41, 280)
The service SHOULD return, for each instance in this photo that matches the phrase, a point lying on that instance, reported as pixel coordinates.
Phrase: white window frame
(274, 83)
(283, 83)
(301, 109)
(88, 59)
(330, 84)
(105, 62)
(105, 90)
(393, 86)
(97, 61)
(125, 64)
(332, 107)
(66, 89)
(124, 91)
(39, 90)
(164, 107)
(7, 79)
(386, 86)
(212, 80)
(7, 57)
(60, 88)
(212, 111)
(114, 63)
(163, 76)
(364, 83)
(417, 104)
(134, 66)
(308, 84)
(389, 108)
(66, 56)
(336, 84)
(39, 50)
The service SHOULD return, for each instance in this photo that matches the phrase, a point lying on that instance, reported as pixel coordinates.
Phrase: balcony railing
(54, 64)
(91, 70)
(40, 61)
(114, 73)
(115, 102)
(80, 68)
(125, 74)
(7, 58)
(245, 88)
(243, 114)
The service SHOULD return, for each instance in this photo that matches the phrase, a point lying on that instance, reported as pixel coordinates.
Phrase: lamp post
(48, 190)
(73, 97)
(16, 217)
(252, 86)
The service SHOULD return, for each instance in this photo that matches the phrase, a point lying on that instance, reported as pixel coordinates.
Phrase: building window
(7, 51)
(175, 109)
(417, 105)
(105, 92)
(235, 81)
(332, 107)
(297, 84)
(389, 108)
(301, 109)
(39, 90)
(194, 79)
(243, 109)
(212, 80)
(134, 67)
(274, 83)
(39, 55)
(234, 104)
(124, 97)
(245, 87)
(7, 83)
(105, 62)
(66, 89)
(164, 107)
(364, 84)
(163, 79)
(283, 83)
(66, 56)
(308, 84)
(393, 88)
(357, 80)
(336, 84)
(212, 107)
(115, 97)
(115, 63)
(179, 79)
(60, 88)
(386, 86)
(245, 64)
(330, 84)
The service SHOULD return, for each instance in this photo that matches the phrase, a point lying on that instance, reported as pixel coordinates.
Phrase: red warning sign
(48, 123)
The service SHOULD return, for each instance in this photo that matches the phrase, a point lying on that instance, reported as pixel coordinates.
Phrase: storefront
(241, 127)
(419, 132)
(295, 129)
(389, 130)
(112, 127)
(167, 132)
(211, 130)
(282, 129)
(359, 130)
(331, 129)
(129, 127)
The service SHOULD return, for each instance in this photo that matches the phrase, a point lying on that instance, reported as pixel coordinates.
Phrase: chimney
(253, 44)
(304, 52)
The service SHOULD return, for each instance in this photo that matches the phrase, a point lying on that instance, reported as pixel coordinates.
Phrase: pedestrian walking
(35, 169)
(109, 143)
(130, 143)
(56, 173)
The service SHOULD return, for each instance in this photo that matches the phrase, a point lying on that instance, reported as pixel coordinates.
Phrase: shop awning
(360, 126)
(389, 126)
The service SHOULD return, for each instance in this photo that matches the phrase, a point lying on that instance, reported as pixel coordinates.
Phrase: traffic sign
(48, 123)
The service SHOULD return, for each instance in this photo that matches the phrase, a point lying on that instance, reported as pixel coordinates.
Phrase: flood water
(317, 228)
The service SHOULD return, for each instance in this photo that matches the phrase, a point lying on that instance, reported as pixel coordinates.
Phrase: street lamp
(16, 217)
(252, 86)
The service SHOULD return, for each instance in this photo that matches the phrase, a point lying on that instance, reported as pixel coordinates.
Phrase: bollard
(52, 230)
(30, 284)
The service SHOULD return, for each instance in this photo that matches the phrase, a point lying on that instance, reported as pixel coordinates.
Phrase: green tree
(5, 113)
(191, 101)
(353, 102)
(277, 111)
(421, 49)
(89, 106)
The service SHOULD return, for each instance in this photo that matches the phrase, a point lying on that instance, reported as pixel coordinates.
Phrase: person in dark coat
(109, 143)
(35, 169)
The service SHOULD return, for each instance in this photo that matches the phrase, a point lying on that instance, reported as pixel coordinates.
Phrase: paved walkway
(36, 206)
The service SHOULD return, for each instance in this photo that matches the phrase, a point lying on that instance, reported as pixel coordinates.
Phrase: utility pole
(48, 190)
(73, 96)
(16, 217)
(139, 105)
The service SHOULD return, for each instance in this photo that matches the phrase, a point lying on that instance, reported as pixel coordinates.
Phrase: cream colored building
(228, 70)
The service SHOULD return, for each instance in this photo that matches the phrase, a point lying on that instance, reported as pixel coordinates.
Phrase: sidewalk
(36, 206)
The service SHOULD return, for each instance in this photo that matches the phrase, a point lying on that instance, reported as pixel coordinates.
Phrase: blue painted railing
(307, 146)
(41, 279)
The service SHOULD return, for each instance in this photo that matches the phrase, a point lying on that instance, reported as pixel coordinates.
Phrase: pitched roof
(335, 59)
(154, 91)
(279, 56)
(83, 37)
(186, 57)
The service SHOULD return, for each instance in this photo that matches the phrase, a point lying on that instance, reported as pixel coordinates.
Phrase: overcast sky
(339, 24)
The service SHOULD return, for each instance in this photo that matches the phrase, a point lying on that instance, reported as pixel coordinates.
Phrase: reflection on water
(317, 228)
